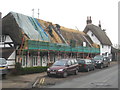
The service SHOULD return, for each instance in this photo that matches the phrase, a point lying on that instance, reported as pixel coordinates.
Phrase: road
(106, 78)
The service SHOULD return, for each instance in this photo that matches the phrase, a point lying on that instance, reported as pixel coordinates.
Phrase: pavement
(23, 81)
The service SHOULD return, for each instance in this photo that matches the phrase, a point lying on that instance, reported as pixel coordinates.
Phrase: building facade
(36, 42)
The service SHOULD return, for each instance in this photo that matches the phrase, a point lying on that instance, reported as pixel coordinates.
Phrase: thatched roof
(18, 25)
(6, 52)
(99, 33)
(56, 38)
(78, 36)
(10, 27)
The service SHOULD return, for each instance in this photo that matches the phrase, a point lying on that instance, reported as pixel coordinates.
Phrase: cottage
(37, 42)
(98, 36)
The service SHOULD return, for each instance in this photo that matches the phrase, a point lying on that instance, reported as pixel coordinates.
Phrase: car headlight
(60, 70)
(48, 69)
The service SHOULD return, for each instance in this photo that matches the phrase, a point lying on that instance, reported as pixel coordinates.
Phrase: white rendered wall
(94, 38)
(103, 48)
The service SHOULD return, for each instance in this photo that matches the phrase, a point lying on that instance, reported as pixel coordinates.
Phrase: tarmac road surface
(106, 78)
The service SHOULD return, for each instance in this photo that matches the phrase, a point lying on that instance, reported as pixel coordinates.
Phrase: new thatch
(18, 26)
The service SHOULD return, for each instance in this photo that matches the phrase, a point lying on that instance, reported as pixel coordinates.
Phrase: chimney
(0, 15)
(89, 21)
(104, 30)
(99, 24)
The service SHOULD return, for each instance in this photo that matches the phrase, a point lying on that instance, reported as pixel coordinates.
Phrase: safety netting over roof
(31, 27)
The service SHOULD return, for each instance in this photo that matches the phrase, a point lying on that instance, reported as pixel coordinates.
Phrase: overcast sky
(70, 13)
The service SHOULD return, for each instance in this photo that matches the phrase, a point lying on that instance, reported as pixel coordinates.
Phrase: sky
(69, 13)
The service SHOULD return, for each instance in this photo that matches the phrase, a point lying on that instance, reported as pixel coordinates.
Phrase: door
(69, 67)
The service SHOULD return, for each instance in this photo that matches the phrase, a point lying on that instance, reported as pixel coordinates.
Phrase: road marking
(42, 80)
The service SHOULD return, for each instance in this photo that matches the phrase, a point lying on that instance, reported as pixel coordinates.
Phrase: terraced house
(35, 42)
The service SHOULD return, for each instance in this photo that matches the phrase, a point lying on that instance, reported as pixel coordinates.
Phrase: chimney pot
(99, 24)
(89, 21)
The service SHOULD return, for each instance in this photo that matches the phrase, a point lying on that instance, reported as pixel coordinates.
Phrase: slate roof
(99, 33)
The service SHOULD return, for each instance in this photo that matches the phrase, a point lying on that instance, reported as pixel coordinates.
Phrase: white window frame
(24, 61)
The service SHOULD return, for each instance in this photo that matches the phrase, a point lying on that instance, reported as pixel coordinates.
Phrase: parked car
(3, 67)
(101, 61)
(85, 65)
(63, 67)
(93, 62)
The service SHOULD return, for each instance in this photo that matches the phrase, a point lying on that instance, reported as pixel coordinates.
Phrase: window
(69, 63)
(59, 63)
(75, 62)
(72, 62)
(34, 62)
(24, 61)
(102, 46)
(81, 62)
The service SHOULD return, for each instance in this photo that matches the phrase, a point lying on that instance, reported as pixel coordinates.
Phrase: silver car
(3, 67)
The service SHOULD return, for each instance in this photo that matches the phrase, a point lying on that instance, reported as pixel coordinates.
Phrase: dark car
(85, 65)
(93, 62)
(63, 67)
(101, 61)
(3, 67)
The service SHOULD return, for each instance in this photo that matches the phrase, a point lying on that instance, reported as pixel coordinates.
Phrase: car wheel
(76, 72)
(48, 75)
(88, 69)
(107, 65)
(101, 66)
(65, 74)
(4, 76)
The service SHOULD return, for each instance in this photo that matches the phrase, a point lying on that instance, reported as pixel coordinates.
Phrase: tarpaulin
(30, 27)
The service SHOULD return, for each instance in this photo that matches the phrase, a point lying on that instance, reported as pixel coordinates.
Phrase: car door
(69, 66)
(73, 66)
(90, 64)
(87, 64)
(106, 61)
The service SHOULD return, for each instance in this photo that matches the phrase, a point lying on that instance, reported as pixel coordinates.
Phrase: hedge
(18, 70)
(30, 70)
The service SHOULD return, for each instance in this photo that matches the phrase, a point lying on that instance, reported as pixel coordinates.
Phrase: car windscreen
(98, 58)
(2, 61)
(81, 61)
(60, 63)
